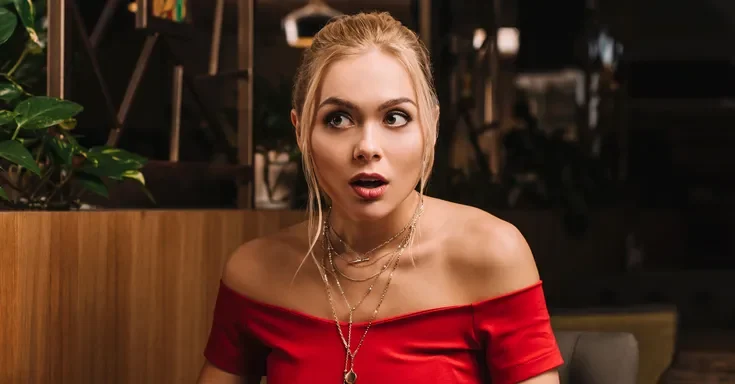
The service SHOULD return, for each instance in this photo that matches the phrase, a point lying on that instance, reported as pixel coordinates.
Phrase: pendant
(350, 377)
(359, 260)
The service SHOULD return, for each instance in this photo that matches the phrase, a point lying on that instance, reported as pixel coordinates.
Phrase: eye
(338, 120)
(397, 119)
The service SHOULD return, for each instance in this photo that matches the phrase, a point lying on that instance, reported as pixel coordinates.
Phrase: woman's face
(367, 142)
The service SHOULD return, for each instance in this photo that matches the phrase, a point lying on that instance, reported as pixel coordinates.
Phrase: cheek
(326, 155)
(407, 150)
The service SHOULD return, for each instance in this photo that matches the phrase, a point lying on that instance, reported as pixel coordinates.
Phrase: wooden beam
(55, 51)
(245, 11)
(219, 11)
(425, 21)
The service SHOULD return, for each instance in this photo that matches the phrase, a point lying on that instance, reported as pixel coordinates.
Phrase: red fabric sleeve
(230, 346)
(515, 330)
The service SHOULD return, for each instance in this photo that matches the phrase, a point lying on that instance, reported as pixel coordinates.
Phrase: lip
(369, 193)
(372, 176)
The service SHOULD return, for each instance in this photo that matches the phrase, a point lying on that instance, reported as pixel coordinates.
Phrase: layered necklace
(365, 256)
(330, 268)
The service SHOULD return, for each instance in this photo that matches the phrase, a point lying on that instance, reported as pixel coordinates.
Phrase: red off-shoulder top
(503, 340)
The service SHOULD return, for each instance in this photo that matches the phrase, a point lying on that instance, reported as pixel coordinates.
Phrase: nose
(367, 147)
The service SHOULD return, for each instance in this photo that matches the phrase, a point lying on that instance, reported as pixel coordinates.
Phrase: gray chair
(598, 357)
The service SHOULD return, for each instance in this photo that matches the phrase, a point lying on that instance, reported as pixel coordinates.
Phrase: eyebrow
(346, 104)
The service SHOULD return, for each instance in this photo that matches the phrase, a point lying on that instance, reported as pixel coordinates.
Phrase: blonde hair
(351, 35)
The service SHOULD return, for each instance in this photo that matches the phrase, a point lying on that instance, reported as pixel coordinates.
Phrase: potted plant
(277, 166)
(42, 165)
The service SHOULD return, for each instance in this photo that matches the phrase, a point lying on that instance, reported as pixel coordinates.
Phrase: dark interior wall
(149, 119)
(147, 125)
(275, 61)
(672, 28)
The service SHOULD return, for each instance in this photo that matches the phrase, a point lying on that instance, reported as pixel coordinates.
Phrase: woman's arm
(232, 356)
(498, 263)
(213, 375)
(550, 377)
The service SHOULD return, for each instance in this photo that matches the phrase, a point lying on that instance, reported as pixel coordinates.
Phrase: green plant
(42, 165)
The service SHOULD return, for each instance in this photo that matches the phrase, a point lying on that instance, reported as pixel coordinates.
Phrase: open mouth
(369, 186)
(368, 183)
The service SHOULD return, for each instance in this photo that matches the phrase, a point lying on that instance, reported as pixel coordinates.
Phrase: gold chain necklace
(327, 245)
(363, 257)
(361, 280)
(363, 263)
(350, 376)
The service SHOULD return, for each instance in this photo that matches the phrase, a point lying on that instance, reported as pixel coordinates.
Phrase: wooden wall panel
(114, 297)
(126, 296)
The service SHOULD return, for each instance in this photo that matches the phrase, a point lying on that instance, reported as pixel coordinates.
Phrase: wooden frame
(235, 143)
(245, 10)
(55, 58)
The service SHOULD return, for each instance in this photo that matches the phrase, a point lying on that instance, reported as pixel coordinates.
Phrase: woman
(399, 287)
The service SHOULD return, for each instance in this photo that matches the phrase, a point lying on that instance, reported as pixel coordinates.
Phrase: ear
(295, 123)
(294, 118)
(436, 123)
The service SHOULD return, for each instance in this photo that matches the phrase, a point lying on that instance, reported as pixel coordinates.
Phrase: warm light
(133, 7)
(310, 18)
(292, 33)
(508, 41)
(479, 38)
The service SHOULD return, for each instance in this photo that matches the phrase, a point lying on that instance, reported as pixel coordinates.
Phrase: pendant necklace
(350, 376)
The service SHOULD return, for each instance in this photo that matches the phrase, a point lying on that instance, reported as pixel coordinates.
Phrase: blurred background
(602, 129)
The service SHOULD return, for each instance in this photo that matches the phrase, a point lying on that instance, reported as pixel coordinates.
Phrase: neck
(363, 236)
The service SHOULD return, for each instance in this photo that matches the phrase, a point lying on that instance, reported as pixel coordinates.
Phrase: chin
(365, 210)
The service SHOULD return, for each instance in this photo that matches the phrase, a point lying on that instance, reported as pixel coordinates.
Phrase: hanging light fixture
(478, 39)
(508, 41)
(302, 24)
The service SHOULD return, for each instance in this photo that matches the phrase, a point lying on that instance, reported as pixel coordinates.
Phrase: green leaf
(148, 194)
(120, 155)
(27, 141)
(135, 175)
(41, 112)
(93, 184)
(9, 91)
(5, 2)
(27, 13)
(68, 124)
(114, 166)
(15, 152)
(7, 117)
(3, 195)
(8, 22)
(34, 46)
(64, 149)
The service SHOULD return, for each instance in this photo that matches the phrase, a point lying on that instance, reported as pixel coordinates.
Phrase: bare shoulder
(485, 255)
(254, 267)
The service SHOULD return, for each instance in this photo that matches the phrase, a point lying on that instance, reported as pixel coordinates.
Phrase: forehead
(371, 77)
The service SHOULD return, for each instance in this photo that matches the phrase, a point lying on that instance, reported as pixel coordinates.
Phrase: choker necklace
(365, 256)
(350, 376)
